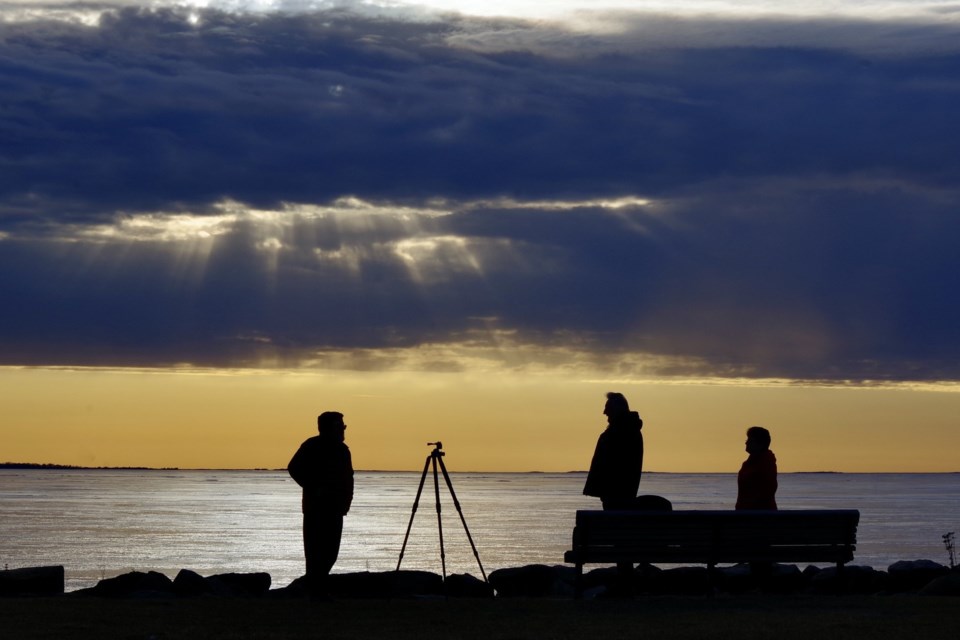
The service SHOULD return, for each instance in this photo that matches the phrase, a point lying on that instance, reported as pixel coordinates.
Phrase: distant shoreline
(33, 466)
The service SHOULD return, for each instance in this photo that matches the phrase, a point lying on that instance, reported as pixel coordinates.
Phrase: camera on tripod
(437, 448)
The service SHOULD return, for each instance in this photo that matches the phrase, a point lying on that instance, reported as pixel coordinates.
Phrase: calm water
(102, 523)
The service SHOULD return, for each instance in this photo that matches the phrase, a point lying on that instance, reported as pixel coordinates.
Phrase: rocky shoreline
(923, 577)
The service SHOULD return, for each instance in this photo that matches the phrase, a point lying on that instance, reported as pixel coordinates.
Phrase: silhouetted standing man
(323, 467)
(757, 480)
(616, 466)
(618, 458)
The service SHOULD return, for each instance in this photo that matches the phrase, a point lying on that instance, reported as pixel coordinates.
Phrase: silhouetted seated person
(323, 467)
(757, 480)
(757, 484)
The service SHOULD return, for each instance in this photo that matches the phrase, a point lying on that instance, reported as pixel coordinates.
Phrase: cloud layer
(334, 188)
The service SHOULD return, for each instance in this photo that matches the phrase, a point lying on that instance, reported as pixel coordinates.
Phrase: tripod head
(437, 446)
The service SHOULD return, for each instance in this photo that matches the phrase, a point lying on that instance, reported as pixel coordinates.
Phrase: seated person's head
(758, 440)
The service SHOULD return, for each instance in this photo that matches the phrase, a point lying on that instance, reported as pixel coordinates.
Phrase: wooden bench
(712, 537)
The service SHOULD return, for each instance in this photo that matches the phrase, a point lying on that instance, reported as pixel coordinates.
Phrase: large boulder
(767, 577)
(597, 581)
(239, 584)
(534, 580)
(385, 584)
(652, 503)
(191, 583)
(913, 575)
(415, 583)
(296, 589)
(948, 585)
(363, 584)
(852, 579)
(135, 584)
(684, 581)
(367, 584)
(464, 585)
(32, 581)
(785, 578)
(645, 577)
(606, 581)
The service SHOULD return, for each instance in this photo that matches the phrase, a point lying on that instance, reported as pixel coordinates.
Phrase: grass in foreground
(783, 618)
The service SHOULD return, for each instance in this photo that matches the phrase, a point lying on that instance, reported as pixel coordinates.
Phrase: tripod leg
(436, 490)
(456, 503)
(416, 503)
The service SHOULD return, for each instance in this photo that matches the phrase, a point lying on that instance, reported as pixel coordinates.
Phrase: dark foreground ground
(727, 617)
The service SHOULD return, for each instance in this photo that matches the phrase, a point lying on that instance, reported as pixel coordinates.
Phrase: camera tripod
(436, 458)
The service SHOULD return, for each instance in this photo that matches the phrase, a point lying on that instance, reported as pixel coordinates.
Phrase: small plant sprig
(948, 543)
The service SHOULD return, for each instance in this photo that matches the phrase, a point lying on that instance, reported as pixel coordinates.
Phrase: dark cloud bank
(802, 218)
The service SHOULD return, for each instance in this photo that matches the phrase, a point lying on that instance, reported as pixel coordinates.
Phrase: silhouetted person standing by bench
(617, 462)
(323, 467)
(616, 467)
(757, 480)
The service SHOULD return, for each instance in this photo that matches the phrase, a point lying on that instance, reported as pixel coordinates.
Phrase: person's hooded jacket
(323, 467)
(617, 462)
(757, 482)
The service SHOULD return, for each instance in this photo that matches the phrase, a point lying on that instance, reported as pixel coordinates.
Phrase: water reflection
(102, 523)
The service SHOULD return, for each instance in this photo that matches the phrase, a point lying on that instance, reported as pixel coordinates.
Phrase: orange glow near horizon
(504, 422)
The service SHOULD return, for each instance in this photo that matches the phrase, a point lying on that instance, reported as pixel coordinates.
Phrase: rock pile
(531, 581)
(919, 576)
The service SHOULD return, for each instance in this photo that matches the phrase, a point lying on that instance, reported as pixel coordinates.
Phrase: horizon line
(34, 466)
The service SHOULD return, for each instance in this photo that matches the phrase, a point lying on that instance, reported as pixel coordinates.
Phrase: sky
(468, 221)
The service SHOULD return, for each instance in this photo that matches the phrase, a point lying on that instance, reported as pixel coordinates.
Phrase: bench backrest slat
(828, 533)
